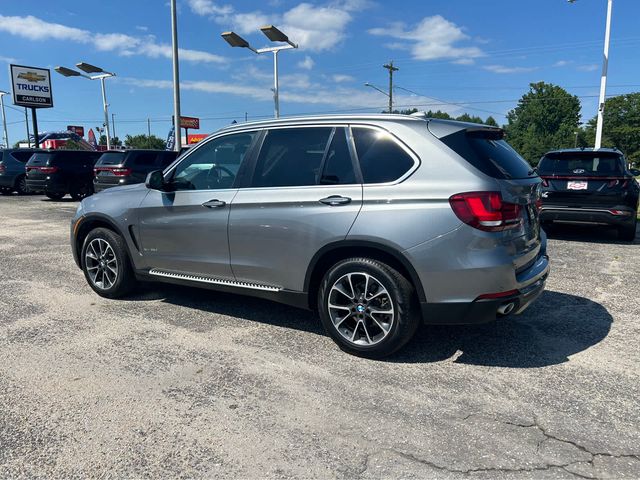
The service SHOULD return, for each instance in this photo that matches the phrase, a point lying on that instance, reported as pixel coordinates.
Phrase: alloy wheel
(101, 263)
(361, 308)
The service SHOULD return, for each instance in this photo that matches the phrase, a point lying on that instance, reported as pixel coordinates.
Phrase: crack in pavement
(535, 424)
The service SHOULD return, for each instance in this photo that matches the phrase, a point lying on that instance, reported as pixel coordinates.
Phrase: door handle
(215, 203)
(335, 200)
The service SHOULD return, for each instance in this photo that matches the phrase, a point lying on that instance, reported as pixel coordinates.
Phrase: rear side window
(291, 157)
(381, 158)
(578, 163)
(338, 167)
(489, 153)
(111, 158)
(21, 156)
(165, 159)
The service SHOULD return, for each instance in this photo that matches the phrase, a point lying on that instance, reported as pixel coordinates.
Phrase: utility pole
(603, 79)
(113, 124)
(389, 66)
(4, 119)
(176, 77)
(149, 132)
(26, 122)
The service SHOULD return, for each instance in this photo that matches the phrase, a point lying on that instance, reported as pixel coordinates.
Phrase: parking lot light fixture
(92, 73)
(275, 35)
(367, 84)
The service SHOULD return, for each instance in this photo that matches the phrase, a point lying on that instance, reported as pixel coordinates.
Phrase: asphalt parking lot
(179, 382)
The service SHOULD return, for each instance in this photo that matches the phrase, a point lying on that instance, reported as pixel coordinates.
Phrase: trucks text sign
(31, 86)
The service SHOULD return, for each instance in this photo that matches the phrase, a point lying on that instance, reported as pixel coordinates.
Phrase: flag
(171, 139)
(92, 139)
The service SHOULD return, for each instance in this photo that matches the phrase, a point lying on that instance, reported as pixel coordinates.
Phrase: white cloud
(504, 69)
(7, 59)
(307, 63)
(33, 28)
(314, 28)
(432, 38)
(589, 68)
(142, 28)
(561, 63)
(207, 7)
(340, 78)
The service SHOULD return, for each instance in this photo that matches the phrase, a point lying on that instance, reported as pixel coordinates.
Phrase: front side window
(213, 165)
(291, 157)
(381, 158)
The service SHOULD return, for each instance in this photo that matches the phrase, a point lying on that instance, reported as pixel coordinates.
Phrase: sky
(454, 55)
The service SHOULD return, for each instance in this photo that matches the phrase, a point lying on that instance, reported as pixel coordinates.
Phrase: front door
(184, 229)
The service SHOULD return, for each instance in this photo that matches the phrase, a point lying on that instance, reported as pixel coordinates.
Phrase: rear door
(185, 229)
(305, 193)
(583, 179)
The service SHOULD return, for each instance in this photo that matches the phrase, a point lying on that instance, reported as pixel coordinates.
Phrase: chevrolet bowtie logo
(31, 77)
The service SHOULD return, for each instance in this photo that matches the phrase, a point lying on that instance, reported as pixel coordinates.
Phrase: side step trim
(216, 281)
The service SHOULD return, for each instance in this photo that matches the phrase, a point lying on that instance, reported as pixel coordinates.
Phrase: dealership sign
(31, 86)
(189, 122)
(76, 129)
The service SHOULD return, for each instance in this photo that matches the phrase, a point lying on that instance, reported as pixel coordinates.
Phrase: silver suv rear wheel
(367, 307)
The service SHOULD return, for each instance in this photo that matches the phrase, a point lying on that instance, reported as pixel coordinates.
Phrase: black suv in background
(58, 172)
(590, 186)
(12, 169)
(129, 166)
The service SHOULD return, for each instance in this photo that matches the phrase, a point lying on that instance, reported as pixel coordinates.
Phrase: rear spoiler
(444, 128)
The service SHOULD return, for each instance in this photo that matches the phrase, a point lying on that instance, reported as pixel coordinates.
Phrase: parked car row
(79, 173)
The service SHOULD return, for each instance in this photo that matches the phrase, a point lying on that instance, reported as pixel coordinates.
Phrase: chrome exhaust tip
(506, 308)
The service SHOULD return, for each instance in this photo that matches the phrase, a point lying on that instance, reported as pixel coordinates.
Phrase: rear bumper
(47, 186)
(7, 181)
(587, 215)
(487, 310)
(100, 186)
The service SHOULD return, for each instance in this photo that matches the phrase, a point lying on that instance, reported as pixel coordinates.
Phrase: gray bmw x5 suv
(378, 222)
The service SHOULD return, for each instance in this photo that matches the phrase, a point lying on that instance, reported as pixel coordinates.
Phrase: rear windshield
(582, 163)
(489, 153)
(111, 158)
(40, 158)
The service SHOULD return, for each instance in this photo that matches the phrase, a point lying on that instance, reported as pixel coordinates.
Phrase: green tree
(144, 141)
(621, 127)
(115, 141)
(491, 121)
(546, 118)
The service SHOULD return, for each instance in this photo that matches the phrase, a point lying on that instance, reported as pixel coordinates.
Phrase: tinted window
(291, 157)
(21, 156)
(578, 163)
(381, 158)
(111, 158)
(40, 158)
(338, 167)
(72, 158)
(143, 159)
(489, 153)
(165, 159)
(213, 165)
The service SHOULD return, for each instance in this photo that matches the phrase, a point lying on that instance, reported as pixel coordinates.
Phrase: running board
(212, 280)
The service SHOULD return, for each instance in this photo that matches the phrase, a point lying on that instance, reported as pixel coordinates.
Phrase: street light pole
(176, 78)
(275, 35)
(106, 113)
(4, 118)
(603, 79)
(101, 75)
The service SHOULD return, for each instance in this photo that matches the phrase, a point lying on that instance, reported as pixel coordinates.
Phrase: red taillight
(613, 183)
(47, 169)
(486, 211)
(2, 168)
(117, 171)
(545, 182)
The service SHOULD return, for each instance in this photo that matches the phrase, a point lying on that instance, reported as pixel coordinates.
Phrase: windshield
(579, 163)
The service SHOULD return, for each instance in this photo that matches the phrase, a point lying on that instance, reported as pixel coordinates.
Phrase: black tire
(627, 233)
(401, 299)
(125, 280)
(21, 185)
(81, 191)
(54, 196)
